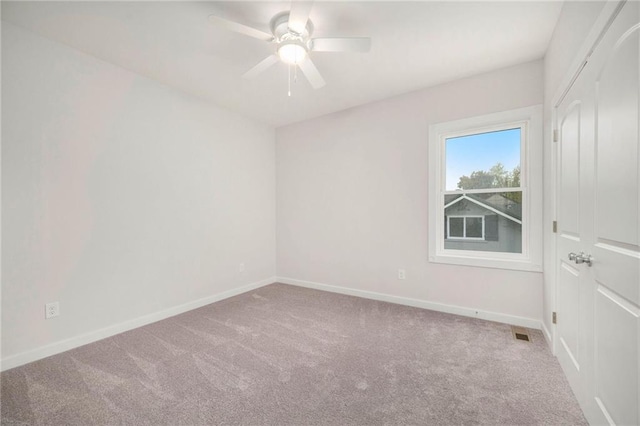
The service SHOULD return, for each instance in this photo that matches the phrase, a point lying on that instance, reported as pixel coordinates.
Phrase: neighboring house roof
(496, 203)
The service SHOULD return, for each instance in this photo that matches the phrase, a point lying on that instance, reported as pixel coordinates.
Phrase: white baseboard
(83, 339)
(417, 303)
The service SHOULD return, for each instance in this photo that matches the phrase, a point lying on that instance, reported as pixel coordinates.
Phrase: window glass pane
(456, 227)
(474, 227)
(502, 215)
(483, 160)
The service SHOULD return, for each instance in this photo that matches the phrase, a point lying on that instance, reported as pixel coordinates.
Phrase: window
(485, 190)
(465, 227)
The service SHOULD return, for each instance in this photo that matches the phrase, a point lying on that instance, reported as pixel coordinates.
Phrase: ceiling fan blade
(240, 28)
(341, 44)
(299, 15)
(262, 65)
(311, 72)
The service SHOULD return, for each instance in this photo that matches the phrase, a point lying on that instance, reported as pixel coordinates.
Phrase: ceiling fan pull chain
(289, 87)
(295, 73)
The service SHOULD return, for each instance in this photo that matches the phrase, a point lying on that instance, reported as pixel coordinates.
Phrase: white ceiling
(414, 45)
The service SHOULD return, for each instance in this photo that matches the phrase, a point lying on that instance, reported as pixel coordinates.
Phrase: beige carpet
(283, 355)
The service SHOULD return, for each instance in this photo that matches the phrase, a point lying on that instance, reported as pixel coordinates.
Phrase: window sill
(519, 264)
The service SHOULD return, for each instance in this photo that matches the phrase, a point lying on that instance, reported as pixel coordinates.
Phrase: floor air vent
(520, 333)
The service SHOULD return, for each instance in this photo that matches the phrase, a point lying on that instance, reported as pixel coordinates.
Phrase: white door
(598, 186)
(575, 118)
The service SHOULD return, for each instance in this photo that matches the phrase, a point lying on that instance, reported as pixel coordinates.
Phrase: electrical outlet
(402, 274)
(51, 310)
(241, 268)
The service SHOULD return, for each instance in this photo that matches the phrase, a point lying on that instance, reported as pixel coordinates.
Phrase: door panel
(569, 175)
(569, 327)
(598, 214)
(617, 269)
(616, 145)
(617, 357)
(570, 291)
(615, 274)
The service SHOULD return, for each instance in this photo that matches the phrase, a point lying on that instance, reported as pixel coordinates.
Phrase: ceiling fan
(291, 33)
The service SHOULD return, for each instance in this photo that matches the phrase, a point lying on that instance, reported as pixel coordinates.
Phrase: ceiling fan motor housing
(281, 31)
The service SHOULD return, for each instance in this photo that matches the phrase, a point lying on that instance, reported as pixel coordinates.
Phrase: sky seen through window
(480, 152)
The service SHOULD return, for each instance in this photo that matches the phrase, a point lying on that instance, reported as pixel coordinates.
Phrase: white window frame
(464, 228)
(529, 119)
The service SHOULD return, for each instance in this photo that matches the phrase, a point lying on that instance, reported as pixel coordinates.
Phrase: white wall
(121, 197)
(572, 29)
(352, 191)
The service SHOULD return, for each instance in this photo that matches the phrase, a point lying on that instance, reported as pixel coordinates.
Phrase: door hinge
(554, 318)
(555, 135)
(555, 226)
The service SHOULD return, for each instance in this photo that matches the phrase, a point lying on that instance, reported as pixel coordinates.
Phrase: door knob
(584, 258)
(581, 258)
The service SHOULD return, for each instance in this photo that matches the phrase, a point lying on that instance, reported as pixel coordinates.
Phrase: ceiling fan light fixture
(292, 52)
